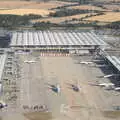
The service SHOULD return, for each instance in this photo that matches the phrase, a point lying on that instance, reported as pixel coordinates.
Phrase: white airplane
(86, 62)
(104, 84)
(111, 75)
(112, 88)
(102, 66)
(107, 76)
(117, 89)
(2, 104)
(108, 86)
(97, 60)
(29, 61)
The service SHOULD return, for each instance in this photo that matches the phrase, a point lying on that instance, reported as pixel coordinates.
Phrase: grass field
(61, 19)
(30, 7)
(87, 7)
(32, 4)
(112, 7)
(43, 8)
(107, 17)
(26, 11)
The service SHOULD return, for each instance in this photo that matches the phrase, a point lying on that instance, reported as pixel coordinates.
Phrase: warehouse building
(62, 41)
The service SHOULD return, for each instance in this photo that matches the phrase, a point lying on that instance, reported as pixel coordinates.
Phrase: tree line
(68, 12)
(9, 21)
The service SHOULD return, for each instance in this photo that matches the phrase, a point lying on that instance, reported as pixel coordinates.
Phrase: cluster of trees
(114, 25)
(69, 12)
(79, 1)
(10, 21)
(65, 6)
(87, 16)
(44, 25)
(48, 25)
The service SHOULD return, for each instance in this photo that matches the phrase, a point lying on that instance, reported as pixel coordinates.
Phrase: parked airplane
(113, 88)
(2, 104)
(117, 89)
(55, 88)
(104, 84)
(74, 87)
(104, 65)
(108, 86)
(108, 76)
(29, 61)
(97, 60)
(86, 62)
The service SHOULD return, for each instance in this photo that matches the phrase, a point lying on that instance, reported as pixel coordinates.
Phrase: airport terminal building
(56, 41)
(112, 59)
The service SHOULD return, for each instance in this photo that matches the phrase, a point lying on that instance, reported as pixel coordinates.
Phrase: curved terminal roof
(58, 38)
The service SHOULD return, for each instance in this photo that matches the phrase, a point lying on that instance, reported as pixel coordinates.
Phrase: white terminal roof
(52, 38)
(115, 61)
(2, 64)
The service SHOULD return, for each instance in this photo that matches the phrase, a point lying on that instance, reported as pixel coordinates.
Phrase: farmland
(26, 12)
(61, 19)
(112, 7)
(60, 12)
(107, 17)
(87, 7)
(32, 5)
